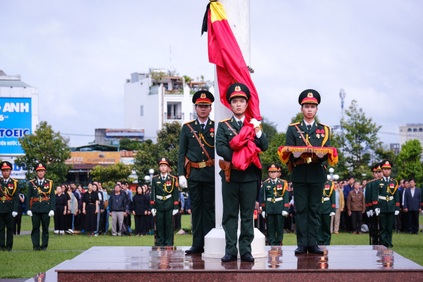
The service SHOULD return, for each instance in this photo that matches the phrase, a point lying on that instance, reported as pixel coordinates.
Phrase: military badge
(212, 132)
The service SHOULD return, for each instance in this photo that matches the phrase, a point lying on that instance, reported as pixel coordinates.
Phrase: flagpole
(238, 13)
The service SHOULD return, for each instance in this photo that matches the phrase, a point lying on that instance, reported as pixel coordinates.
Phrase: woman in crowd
(90, 209)
(340, 204)
(18, 218)
(72, 210)
(140, 206)
(100, 207)
(61, 211)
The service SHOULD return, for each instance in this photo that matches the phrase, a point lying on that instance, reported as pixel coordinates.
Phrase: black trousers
(6, 222)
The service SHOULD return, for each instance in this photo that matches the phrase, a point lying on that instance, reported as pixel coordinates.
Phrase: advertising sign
(15, 122)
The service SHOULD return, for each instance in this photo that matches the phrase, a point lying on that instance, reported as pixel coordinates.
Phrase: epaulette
(226, 119)
(295, 123)
(189, 121)
(267, 180)
(323, 124)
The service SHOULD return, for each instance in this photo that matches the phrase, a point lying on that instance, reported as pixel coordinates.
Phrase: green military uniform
(327, 208)
(9, 202)
(165, 199)
(40, 201)
(274, 200)
(193, 142)
(372, 220)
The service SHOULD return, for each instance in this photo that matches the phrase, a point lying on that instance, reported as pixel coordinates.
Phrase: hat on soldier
(237, 90)
(309, 96)
(6, 165)
(202, 97)
(386, 164)
(376, 167)
(164, 161)
(272, 167)
(39, 166)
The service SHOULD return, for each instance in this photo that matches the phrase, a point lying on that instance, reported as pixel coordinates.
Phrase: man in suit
(239, 187)
(413, 206)
(196, 163)
(308, 174)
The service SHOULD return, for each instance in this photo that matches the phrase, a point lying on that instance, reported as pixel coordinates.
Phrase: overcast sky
(79, 53)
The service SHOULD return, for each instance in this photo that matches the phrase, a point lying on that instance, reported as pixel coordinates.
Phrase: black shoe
(229, 257)
(194, 250)
(300, 250)
(36, 248)
(315, 250)
(247, 258)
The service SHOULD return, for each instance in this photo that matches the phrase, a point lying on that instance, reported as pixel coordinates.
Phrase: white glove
(263, 214)
(182, 182)
(369, 213)
(29, 213)
(332, 214)
(377, 211)
(175, 211)
(51, 213)
(255, 122)
(396, 212)
(14, 214)
(153, 212)
(284, 213)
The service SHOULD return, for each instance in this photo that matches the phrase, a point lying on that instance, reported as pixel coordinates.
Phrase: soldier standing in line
(9, 205)
(164, 203)
(327, 211)
(196, 163)
(274, 204)
(372, 219)
(41, 204)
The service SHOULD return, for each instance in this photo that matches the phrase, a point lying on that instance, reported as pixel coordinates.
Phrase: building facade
(411, 131)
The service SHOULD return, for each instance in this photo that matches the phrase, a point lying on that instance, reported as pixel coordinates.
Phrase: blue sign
(15, 122)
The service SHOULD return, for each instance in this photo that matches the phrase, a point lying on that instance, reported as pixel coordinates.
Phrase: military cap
(309, 96)
(272, 167)
(6, 165)
(202, 97)
(39, 166)
(237, 90)
(164, 161)
(376, 167)
(386, 164)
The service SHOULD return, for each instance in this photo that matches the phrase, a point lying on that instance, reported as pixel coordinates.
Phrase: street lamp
(134, 176)
(151, 172)
(332, 176)
(147, 179)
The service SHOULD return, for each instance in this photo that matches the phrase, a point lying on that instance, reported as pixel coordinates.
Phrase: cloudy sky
(79, 54)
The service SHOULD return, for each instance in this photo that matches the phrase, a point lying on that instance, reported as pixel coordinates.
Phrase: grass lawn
(23, 262)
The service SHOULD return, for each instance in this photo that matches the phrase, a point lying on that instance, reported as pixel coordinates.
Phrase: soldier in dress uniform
(9, 205)
(164, 203)
(372, 219)
(274, 204)
(41, 203)
(239, 187)
(386, 203)
(327, 210)
(196, 163)
(308, 174)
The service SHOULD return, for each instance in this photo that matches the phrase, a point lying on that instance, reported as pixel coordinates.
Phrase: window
(141, 111)
(174, 110)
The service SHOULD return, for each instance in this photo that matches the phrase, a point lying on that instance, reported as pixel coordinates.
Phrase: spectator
(90, 209)
(18, 218)
(61, 211)
(356, 206)
(139, 208)
(72, 210)
(118, 204)
(412, 206)
(339, 204)
(346, 223)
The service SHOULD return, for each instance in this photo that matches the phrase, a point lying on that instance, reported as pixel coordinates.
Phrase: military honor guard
(164, 203)
(274, 204)
(196, 168)
(41, 203)
(327, 211)
(240, 185)
(9, 205)
(386, 203)
(372, 220)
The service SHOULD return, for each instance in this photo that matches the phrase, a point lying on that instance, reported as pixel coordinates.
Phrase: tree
(111, 174)
(48, 147)
(130, 145)
(271, 155)
(146, 159)
(409, 165)
(269, 128)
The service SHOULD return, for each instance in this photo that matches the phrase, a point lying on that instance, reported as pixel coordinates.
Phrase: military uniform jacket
(314, 172)
(328, 199)
(274, 198)
(385, 195)
(164, 193)
(190, 148)
(40, 197)
(368, 194)
(223, 137)
(9, 195)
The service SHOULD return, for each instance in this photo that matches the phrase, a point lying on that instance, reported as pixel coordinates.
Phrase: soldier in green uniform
(274, 204)
(386, 203)
(9, 205)
(196, 163)
(308, 174)
(371, 219)
(239, 187)
(41, 203)
(164, 203)
(327, 210)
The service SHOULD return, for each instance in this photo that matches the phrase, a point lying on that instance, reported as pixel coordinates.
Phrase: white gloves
(284, 213)
(332, 214)
(182, 182)
(369, 213)
(29, 213)
(14, 214)
(153, 212)
(51, 213)
(377, 211)
(175, 211)
(263, 214)
(396, 212)
(255, 122)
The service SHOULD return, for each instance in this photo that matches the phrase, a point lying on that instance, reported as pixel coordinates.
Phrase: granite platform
(339, 263)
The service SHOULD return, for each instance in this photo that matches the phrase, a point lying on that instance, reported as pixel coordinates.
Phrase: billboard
(15, 122)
